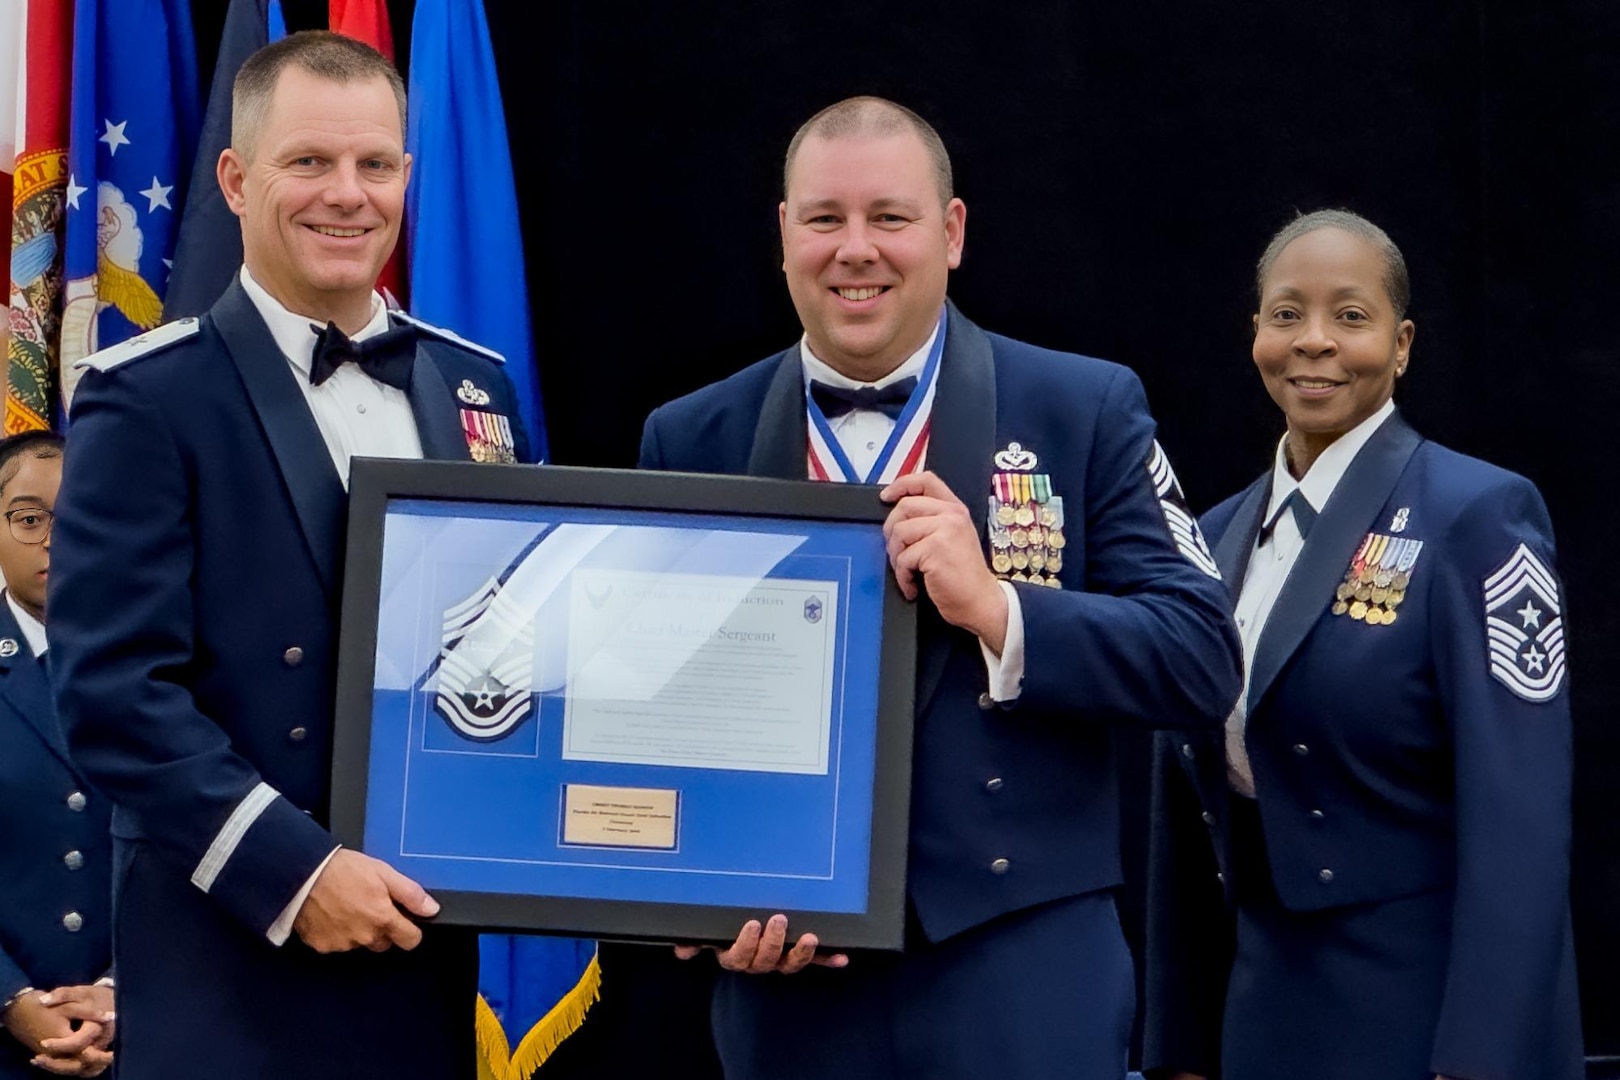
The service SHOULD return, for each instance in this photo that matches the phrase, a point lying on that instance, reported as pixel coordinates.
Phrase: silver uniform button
(73, 860)
(293, 656)
(1000, 866)
(1187, 750)
(73, 922)
(986, 701)
(1220, 877)
(76, 801)
(360, 408)
(1324, 876)
(1317, 815)
(1301, 749)
(297, 734)
(994, 784)
(1209, 818)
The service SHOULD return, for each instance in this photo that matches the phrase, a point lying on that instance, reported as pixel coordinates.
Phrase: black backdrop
(1122, 165)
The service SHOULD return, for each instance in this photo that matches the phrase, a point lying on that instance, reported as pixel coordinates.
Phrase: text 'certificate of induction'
(627, 704)
(701, 670)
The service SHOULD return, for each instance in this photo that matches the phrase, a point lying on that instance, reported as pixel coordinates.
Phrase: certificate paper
(700, 670)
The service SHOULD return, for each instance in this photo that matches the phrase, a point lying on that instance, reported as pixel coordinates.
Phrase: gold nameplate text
(619, 817)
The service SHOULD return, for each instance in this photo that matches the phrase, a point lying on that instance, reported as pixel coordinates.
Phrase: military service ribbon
(1025, 523)
(1375, 584)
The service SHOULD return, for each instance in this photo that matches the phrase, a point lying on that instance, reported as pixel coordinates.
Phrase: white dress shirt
(357, 415)
(862, 434)
(1273, 558)
(33, 630)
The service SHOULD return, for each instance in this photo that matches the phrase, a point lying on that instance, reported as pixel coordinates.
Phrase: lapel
(289, 427)
(1338, 531)
(1237, 542)
(438, 417)
(25, 690)
(961, 444)
(782, 435)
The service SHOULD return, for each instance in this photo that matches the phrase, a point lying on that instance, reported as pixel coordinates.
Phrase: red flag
(367, 21)
(38, 207)
(11, 30)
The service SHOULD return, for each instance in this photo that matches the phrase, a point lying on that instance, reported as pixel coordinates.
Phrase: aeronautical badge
(1025, 522)
(1173, 504)
(8, 647)
(1524, 627)
(485, 666)
(489, 436)
(1375, 584)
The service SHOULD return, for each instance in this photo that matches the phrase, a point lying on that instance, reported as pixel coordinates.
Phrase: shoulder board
(141, 345)
(446, 335)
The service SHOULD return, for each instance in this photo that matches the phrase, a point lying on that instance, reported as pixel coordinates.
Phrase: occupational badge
(1173, 504)
(1025, 524)
(471, 394)
(1375, 585)
(1524, 627)
(8, 647)
(489, 436)
(486, 665)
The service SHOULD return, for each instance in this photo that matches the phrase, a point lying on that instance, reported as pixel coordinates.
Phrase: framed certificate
(634, 705)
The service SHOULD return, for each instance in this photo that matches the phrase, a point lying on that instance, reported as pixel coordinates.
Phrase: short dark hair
(1396, 281)
(866, 116)
(330, 56)
(34, 444)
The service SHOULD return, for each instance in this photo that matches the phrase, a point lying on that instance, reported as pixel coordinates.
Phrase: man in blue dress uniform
(1064, 592)
(55, 863)
(198, 575)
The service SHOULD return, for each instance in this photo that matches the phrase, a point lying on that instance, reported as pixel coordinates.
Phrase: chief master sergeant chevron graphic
(1524, 627)
(485, 666)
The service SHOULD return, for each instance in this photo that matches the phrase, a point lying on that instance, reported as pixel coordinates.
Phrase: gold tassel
(494, 1054)
(559, 1023)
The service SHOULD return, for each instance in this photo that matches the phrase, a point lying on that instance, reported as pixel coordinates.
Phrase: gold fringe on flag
(496, 1059)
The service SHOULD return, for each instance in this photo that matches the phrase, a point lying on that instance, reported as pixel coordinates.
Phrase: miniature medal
(1025, 520)
(1375, 583)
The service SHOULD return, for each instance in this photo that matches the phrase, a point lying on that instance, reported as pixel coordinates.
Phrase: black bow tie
(890, 400)
(387, 357)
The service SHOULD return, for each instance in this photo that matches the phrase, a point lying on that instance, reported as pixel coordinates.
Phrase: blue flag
(133, 132)
(461, 209)
(210, 249)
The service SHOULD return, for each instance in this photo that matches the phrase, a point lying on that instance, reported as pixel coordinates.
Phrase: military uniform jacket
(1137, 636)
(55, 862)
(197, 571)
(1392, 759)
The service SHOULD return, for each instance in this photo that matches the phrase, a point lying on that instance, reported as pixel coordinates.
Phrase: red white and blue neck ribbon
(907, 442)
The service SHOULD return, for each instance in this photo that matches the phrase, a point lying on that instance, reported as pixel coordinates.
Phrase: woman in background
(1369, 879)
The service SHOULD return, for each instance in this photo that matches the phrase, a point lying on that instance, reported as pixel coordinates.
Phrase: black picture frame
(377, 484)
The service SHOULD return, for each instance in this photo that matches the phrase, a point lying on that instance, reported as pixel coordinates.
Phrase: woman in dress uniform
(1368, 879)
(56, 996)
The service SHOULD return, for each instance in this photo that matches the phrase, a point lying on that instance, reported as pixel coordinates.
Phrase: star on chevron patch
(485, 666)
(1173, 504)
(1524, 627)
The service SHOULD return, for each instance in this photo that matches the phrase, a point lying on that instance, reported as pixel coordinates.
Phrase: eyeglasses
(30, 524)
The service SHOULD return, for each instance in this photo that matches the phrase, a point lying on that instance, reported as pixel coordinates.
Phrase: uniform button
(993, 785)
(297, 734)
(871, 446)
(1220, 877)
(1000, 866)
(1301, 749)
(73, 860)
(293, 656)
(73, 922)
(360, 408)
(1317, 815)
(76, 801)
(1209, 818)
(986, 701)
(1324, 876)
(1187, 750)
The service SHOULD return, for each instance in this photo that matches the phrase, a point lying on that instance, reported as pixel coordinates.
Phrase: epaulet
(146, 344)
(446, 335)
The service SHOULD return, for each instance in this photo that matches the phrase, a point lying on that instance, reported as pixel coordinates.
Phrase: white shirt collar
(1327, 470)
(32, 629)
(292, 331)
(816, 368)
